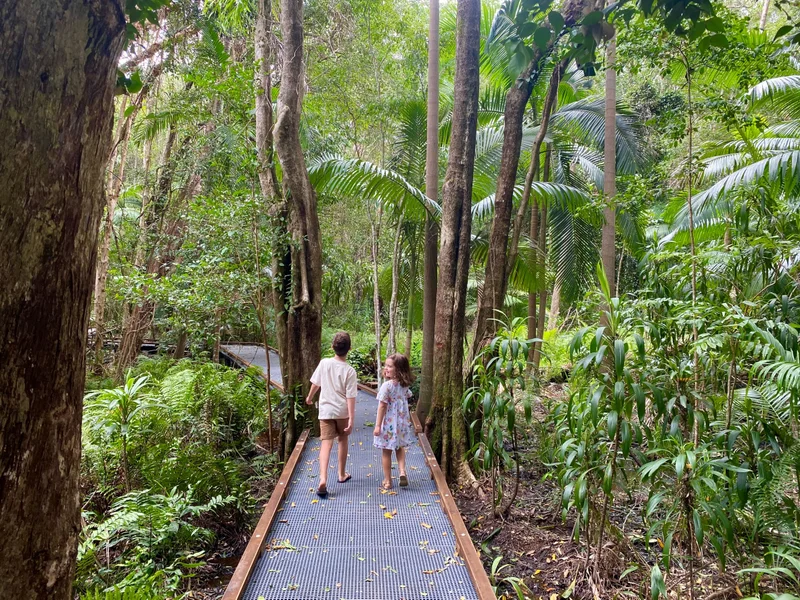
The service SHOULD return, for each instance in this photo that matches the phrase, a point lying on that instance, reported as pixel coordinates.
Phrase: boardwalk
(360, 542)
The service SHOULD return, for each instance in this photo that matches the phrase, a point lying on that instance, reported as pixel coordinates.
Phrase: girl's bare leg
(401, 460)
(386, 461)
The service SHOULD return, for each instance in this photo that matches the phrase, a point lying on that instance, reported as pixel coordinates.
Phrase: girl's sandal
(403, 481)
(386, 485)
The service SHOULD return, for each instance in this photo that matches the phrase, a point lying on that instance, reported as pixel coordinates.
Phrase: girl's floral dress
(397, 430)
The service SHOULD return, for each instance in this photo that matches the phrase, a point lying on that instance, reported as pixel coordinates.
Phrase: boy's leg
(324, 459)
(343, 441)
(386, 461)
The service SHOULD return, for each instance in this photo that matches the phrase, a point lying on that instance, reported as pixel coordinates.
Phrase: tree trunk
(410, 308)
(56, 124)
(555, 305)
(304, 317)
(542, 268)
(114, 189)
(431, 230)
(375, 230)
(445, 420)
(180, 345)
(762, 23)
(139, 315)
(497, 265)
(609, 234)
(392, 344)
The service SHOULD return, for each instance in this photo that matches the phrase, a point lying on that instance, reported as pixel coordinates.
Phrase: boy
(337, 407)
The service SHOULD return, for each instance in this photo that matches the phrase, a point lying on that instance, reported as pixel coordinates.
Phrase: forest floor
(536, 545)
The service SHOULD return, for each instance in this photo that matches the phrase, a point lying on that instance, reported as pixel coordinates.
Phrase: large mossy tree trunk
(302, 302)
(445, 422)
(431, 230)
(56, 110)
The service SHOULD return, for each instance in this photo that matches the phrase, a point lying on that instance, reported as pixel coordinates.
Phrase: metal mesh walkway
(256, 356)
(361, 542)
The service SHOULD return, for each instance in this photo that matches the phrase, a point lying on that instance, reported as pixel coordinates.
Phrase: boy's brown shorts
(330, 429)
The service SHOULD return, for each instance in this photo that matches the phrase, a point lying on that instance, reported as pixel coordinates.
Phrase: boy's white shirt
(338, 382)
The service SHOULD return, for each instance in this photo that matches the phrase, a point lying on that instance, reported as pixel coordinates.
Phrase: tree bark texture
(431, 230)
(445, 420)
(496, 276)
(609, 234)
(57, 76)
(304, 314)
(541, 275)
(139, 315)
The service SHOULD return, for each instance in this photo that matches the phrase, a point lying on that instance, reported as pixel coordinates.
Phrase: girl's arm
(379, 420)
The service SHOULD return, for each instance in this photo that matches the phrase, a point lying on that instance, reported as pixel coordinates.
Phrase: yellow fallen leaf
(315, 501)
(426, 526)
(388, 515)
(293, 505)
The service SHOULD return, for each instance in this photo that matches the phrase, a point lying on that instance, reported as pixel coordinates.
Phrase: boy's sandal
(347, 477)
(403, 481)
(322, 491)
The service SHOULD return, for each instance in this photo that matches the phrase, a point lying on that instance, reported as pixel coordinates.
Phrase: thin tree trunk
(304, 319)
(762, 23)
(410, 308)
(392, 344)
(555, 305)
(431, 230)
(375, 230)
(180, 345)
(542, 269)
(608, 244)
(139, 315)
(445, 420)
(533, 321)
(56, 124)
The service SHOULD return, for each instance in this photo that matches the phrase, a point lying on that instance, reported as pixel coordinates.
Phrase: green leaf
(718, 40)
(782, 31)
(526, 29)
(715, 24)
(592, 18)
(542, 37)
(556, 20)
(698, 527)
(657, 586)
(612, 419)
(680, 464)
(607, 478)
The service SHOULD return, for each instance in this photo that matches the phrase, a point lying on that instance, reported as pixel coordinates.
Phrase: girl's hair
(402, 370)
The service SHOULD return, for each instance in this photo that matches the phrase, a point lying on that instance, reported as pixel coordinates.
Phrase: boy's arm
(312, 392)
(351, 415)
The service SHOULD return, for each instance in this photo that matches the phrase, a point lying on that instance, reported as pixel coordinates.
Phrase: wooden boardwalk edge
(247, 563)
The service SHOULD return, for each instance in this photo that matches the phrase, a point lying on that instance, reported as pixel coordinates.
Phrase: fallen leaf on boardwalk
(293, 586)
(444, 534)
(369, 474)
(283, 521)
(338, 585)
(382, 507)
(434, 551)
(315, 501)
(390, 515)
(434, 493)
(426, 526)
(293, 505)
(316, 536)
(389, 568)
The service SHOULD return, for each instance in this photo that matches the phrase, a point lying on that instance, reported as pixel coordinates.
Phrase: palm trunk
(555, 305)
(762, 23)
(410, 308)
(608, 243)
(431, 230)
(57, 122)
(392, 344)
(445, 420)
(542, 270)
(304, 319)
(375, 230)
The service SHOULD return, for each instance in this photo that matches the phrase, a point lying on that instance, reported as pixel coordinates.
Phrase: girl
(393, 428)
